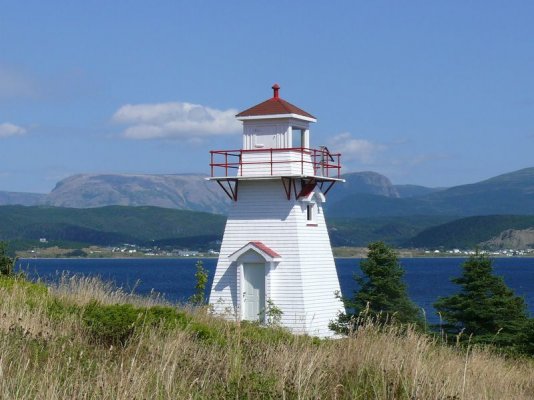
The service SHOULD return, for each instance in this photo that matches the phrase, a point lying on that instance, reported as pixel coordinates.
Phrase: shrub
(201, 276)
(115, 324)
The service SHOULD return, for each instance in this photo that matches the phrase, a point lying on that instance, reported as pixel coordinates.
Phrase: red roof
(274, 106)
(266, 249)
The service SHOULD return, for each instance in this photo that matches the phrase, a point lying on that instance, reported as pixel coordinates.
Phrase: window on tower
(311, 213)
(297, 138)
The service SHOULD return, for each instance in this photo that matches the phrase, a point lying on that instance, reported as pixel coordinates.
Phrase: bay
(174, 278)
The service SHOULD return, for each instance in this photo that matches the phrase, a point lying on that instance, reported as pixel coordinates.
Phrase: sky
(425, 92)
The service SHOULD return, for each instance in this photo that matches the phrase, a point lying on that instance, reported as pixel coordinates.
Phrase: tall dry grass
(49, 356)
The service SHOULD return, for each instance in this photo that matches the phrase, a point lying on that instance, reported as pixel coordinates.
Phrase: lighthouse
(275, 255)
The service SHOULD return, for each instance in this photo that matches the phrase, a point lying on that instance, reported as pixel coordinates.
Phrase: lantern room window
(297, 138)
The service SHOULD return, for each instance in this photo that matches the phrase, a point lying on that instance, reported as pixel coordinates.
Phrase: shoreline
(207, 257)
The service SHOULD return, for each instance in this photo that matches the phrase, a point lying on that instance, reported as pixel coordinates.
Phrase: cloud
(7, 129)
(354, 149)
(14, 84)
(175, 120)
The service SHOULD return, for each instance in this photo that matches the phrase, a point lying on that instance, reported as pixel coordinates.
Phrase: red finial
(276, 88)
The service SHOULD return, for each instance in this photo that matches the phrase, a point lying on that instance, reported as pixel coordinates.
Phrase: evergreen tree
(6, 263)
(485, 309)
(382, 294)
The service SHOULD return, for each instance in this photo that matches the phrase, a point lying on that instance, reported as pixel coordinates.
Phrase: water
(426, 278)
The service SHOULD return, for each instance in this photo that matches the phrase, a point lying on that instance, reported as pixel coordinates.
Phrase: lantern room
(276, 144)
(275, 124)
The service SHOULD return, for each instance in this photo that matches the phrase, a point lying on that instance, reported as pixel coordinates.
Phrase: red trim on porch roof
(266, 249)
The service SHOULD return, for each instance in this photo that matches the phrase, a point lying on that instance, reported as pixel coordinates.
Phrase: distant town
(494, 253)
(129, 250)
(126, 250)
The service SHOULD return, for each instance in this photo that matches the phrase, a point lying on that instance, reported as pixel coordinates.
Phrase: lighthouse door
(253, 291)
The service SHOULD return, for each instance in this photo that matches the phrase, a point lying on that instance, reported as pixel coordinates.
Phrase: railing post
(302, 161)
(315, 166)
(241, 162)
(211, 163)
(271, 161)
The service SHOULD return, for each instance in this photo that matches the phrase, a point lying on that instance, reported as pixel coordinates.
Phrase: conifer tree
(485, 310)
(6, 263)
(382, 294)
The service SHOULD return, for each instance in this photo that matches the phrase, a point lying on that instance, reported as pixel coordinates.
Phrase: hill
(164, 227)
(365, 205)
(145, 225)
(187, 192)
(359, 232)
(364, 182)
(110, 225)
(363, 195)
(85, 339)
(511, 193)
(415, 190)
(469, 232)
(21, 198)
(511, 239)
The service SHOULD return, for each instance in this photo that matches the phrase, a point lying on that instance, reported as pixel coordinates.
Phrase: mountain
(511, 239)
(359, 232)
(469, 232)
(511, 193)
(364, 205)
(188, 192)
(364, 182)
(110, 225)
(24, 226)
(151, 226)
(363, 195)
(414, 190)
(24, 199)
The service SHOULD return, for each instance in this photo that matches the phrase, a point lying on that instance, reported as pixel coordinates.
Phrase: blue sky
(430, 93)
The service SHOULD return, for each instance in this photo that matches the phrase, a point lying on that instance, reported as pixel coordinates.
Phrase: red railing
(229, 163)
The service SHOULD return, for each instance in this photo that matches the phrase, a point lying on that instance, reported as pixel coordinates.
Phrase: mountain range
(363, 195)
(511, 193)
(366, 207)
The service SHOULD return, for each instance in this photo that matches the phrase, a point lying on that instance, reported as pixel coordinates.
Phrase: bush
(115, 324)
(201, 276)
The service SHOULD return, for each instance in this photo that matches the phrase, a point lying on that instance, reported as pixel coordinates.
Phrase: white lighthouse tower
(275, 248)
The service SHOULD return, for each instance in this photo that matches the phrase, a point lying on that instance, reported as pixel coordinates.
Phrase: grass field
(82, 339)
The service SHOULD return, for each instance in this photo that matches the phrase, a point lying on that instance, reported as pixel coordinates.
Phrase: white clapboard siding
(276, 163)
(303, 284)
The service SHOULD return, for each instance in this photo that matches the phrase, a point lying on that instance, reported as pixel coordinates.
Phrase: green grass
(84, 339)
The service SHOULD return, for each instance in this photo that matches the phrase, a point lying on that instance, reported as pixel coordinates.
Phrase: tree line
(484, 311)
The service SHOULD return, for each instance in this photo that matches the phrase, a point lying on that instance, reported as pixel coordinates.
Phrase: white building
(275, 248)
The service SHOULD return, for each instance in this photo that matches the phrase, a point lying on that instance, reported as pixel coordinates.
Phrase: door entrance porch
(254, 291)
